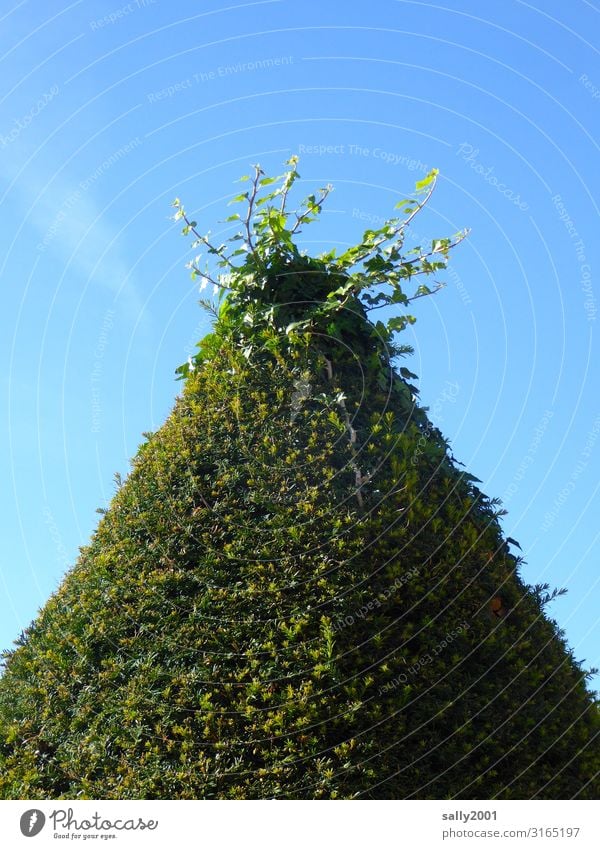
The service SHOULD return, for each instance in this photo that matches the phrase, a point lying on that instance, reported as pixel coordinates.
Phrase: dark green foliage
(296, 593)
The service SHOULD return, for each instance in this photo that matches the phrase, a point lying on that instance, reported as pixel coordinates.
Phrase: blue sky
(109, 110)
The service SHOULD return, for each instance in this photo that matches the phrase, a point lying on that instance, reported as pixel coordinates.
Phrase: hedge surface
(252, 620)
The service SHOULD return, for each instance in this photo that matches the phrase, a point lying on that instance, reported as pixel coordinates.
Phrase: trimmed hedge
(297, 593)
(251, 620)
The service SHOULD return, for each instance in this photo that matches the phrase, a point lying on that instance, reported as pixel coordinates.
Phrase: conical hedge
(297, 593)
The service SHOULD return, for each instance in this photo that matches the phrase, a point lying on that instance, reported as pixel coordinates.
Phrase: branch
(258, 171)
(408, 300)
(212, 248)
(194, 267)
(317, 208)
(287, 186)
(425, 294)
(461, 237)
(398, 229)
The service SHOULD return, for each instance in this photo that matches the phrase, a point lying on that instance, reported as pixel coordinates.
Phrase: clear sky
(111, 109)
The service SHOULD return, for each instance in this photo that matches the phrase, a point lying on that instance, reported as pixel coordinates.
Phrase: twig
(206, 276)
(424, 294)
(286, 187)
(408, 300)
(258, 171)
(421, 257)
(318, 205)
(208, 245)
(399, 228)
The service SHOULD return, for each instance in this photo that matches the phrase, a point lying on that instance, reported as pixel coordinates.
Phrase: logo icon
(32, 822)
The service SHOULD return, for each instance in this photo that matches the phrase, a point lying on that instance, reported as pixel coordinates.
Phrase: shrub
(297, 593)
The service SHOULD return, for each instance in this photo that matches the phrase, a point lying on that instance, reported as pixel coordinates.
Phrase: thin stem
(408, 300)
(208, 245)
(203, 274)
(421, 257)
(398, 229)
(286, 187)
(258, 171)
(424, 294)
(318, 205)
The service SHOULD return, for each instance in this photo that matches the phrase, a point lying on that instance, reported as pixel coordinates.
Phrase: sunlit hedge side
(240, 626)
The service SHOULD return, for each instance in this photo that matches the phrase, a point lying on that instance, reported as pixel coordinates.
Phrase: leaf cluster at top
(262, 279)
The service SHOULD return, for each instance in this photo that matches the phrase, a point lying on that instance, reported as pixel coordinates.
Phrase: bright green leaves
(427, 181)
(239, 198)
(400, 322)
(183, 371)
(261, 258)
(380, 260)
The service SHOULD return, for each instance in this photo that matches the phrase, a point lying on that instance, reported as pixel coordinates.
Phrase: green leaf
(267, 198)
(397, 323)
(426, 181)
(408, 374)
(238, 198)
(183, 371)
